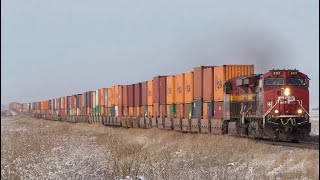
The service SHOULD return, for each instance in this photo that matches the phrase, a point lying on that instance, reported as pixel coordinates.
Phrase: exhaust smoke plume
(260, 48)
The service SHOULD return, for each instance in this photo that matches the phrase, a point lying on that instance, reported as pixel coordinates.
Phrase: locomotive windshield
(296, 81)
(274, 81)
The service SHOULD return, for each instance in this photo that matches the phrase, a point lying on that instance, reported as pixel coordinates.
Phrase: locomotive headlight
(299, 111)
(276, 111)
(286, 91)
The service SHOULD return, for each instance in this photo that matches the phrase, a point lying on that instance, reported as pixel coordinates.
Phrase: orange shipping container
(150, 92)
(137, 111)
(171, 90)
(110, 96)
(131, 111)
(179, 92)
(188, 87)
(150, 111)
(102, 96)
(120, 96)
(226, 72)
(116, 95)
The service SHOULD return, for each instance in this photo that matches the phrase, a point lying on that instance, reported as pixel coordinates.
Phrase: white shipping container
(93, 99)
(97, 98)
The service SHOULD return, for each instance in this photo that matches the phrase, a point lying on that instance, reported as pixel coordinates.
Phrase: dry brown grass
(33, 148)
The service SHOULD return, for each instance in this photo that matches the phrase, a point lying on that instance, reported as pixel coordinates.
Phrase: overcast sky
(62, 47)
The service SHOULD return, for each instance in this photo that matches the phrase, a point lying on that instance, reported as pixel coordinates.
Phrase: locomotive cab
(285, 105)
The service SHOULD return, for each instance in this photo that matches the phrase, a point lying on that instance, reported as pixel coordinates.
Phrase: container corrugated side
(163, 90)
(144, 93)
(150, 92)
(171, 90)
(199, 82)
(179, 88)
(131, 95)
(208, 85)
(137, 94)
(188, 85)
(227, 72)
(125, 95)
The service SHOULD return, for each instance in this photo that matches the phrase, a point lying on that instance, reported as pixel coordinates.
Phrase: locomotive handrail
(300, 103)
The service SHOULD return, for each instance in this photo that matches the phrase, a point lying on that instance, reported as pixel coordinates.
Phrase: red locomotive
(274, 104)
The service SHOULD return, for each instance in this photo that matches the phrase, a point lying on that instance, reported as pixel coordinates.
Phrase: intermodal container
(102, 93)
(188, 110)
(81, 103)
(97, 98)
(116, 109)
(110, 96)
(144, 111)
(179, 89)
(90, 99)
(163, 90)
(159, 89)
(197, 105)
(84, 99)
(120, 96)
(120, 111)
(150, 93)
(208, 85)
(163, 110)
(125, 111)
(105, 97)
(171, 89)
(137, 95)
(226, 72)
(171, 110)
(116, 96)
(131, 95)
(198, 81)
(68, 102)
(74, 101)
(131, 111)
(180, 111)
(218, 110)
(188, 85)
(156, 89)
(125, 95)
(137, 111)
(94, 99)
(63, 102)
(98, 110)
(144, 93)
(156, 109)
(150, 112)
(99, 94)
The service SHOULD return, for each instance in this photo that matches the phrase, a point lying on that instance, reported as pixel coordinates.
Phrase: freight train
(227, 99)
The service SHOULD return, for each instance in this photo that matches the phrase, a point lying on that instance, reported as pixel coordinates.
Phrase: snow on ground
(39, 149)
(314, 117)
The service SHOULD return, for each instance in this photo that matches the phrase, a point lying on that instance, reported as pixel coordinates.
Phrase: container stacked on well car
(195, 101)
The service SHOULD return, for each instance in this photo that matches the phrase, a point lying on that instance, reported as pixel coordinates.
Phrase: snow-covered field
(314, 117)
(39, 149)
